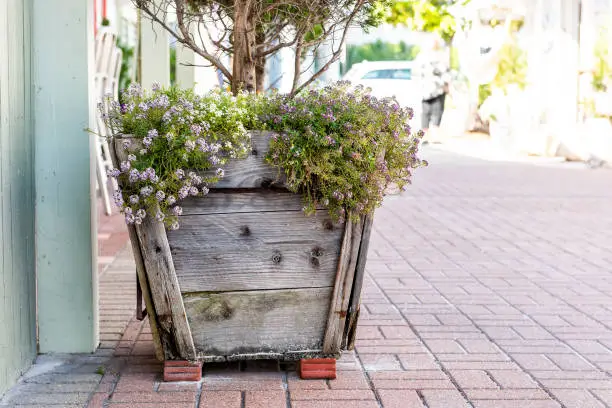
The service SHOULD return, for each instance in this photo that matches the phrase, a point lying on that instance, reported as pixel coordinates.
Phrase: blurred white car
(390, 78)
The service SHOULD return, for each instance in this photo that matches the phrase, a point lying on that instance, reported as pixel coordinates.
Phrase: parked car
(390, 78)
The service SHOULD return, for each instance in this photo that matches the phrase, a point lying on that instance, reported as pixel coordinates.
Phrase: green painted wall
(17, 277)
(62, 81)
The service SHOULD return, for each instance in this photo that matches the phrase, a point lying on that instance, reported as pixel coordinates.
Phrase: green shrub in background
(602, 75)
(379, 51)
(125, 74)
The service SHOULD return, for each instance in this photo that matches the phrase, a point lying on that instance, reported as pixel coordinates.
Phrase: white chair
(108, 66)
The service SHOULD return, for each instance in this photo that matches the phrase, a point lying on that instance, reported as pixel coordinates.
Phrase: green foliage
(484, 91)
(338, 146)
(127, 54)
(380, 51)
(512, 67)
(341, 147)
(602, 75)
(426, 15)
(178, 133)
(172, 65)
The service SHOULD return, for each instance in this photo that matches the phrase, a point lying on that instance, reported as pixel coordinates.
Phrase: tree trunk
(260, 63)
(244, 75)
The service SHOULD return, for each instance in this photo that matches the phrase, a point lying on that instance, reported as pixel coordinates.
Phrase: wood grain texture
(225, 201)
(263, 322)
(348, 341)
(253, 171)
(119, 154)
(247, 251)
(172, 325)
(342, 287)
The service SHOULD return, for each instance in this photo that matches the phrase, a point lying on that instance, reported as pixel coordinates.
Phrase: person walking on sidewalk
(435, 78)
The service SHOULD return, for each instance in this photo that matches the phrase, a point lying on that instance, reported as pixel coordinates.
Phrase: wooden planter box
(248, 275)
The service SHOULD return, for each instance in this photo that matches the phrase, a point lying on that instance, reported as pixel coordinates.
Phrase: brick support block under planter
(317, 368)
(181, 370)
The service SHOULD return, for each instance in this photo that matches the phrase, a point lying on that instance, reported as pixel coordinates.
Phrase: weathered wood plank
(342, 287)
(348, 341)
(247, 251)
(225, 201)
(253, 171)
(265, 322)
(172, 324)
(118, 154)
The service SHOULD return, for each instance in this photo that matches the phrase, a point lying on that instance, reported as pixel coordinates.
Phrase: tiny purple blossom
(137, 220)
(190, 145)
(196, 129)
(127, 210)
(125, 166)
(141, 213)
(160, 216)
(134, 199)
(160, 195)
(134, 175)
(113, 172)
(205, 190)
(155, 86)
(220, 173)
(183, 192)
(131, 157)
(146, 191)
(147, 141)
(170, 200)
(174, 226)
(129, 218)
(126, 144)
(193, 191)
(176, 210)
(118, 198)
(180, 173)
(152, 133)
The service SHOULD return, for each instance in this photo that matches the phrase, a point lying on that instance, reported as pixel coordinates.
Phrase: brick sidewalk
(488, 285)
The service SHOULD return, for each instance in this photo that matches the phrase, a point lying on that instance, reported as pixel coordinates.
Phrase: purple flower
(205, 190)
(131, 157)
(143, 106)
(174, 226)
(127, 210)
(190, 145)
(147, 141)
(125, 166)
(193, 191)
(338, 195)
(160, 216)
(137, 220)
(180, 173)
(146, 191)
(155, 86)
(118, 198)
(196, 129)
(126, 144)
(141, 213)
(170, 200)
(176, 210)
(214, 160)
(134, 199)
(183, 192)
(202, 145)
(113, 172)
(160, 195)
(169, 136)
(129, 218)
(220, 173)
(134, 175)
(152, 133)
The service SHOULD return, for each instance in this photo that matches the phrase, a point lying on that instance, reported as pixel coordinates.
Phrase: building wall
(17, 277)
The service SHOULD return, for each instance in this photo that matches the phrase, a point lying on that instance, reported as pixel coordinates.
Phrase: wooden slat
(348, 342)
(247, 251)
(252, 172)
(342, 287)
(224, 201)
(264, 322)
(159, 284)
